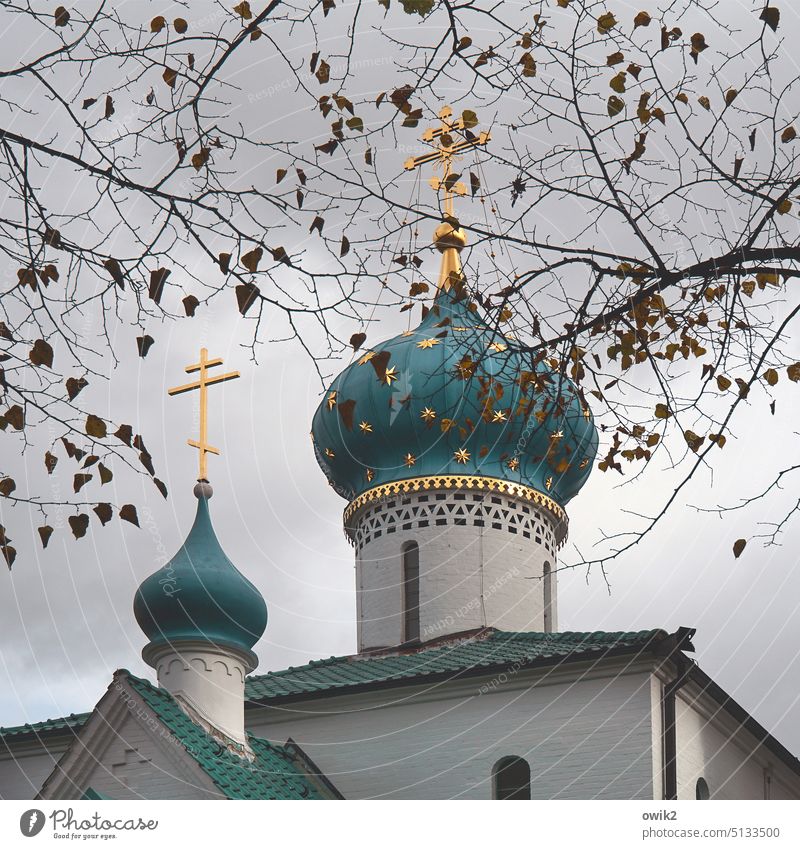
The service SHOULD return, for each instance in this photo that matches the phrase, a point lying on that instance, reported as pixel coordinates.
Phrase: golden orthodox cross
(447, 147)
(202, 384)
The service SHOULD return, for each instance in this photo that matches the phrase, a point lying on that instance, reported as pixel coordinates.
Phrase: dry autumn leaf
(143, 344)
(190, 305)
(606, 22)
(74, 386)
(41, 354)
(693, 440)
(251, 259)
(615, 105)
(79, 525)
(771, 16)
(96, 427)
(128, 513)
(45, 532)
(246, 296)
(79, 481)
(104, 513)
(200, 158)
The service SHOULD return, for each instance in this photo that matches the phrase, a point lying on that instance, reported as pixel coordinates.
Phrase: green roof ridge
(490, 649)
(60, 723)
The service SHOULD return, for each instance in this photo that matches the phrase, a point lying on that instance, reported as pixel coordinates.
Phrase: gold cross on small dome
(202, 384)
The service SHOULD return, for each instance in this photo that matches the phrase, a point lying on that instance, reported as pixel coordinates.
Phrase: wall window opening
(547, 582)
(410, 592)
(512, 779)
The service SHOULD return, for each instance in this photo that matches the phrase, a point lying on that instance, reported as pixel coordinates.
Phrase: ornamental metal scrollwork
(462, 482)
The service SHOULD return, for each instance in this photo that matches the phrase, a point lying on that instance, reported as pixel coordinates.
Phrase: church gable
(139, 743)
(124, 751)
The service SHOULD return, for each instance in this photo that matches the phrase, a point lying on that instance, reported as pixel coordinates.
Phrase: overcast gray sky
(66, 616)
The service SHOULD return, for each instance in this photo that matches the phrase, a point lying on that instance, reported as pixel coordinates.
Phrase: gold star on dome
(586, 414)
(329, 453)
(428, 343)
(366, 358)
(407, 333)
(331, 402)
(409, 460)
(370, 475)
(499, 416)
(584, 463)
(461, 456)
(459, 329)
(548, 483)
(513, 464)
(509, 336)
(428, 415)
(557, 434)
(365, 427)
(390, 375)
(499, 347)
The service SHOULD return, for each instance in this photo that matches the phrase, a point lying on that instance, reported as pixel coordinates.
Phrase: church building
(456, 455)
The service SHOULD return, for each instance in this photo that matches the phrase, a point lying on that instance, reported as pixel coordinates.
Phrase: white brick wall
(470, 577)
(22, 773)
(585, 738)
(735, 766)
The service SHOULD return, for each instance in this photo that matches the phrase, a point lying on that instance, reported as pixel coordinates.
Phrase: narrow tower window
(547, 582)
(701, 789)
(512, 779)
(410, 592)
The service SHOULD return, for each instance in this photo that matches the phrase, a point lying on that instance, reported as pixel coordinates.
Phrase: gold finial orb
(446, 236)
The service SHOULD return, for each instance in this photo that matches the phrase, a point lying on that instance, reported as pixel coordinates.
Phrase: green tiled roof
(472, 656)
(74, 721)
(274, 774)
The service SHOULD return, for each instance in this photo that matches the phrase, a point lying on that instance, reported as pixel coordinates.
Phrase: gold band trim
(473, 482)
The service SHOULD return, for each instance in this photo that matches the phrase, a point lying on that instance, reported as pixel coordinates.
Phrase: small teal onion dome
(199, 594)
(453, 397)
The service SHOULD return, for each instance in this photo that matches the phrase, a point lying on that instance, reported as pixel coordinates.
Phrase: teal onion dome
(453, 397)
(199, 594)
